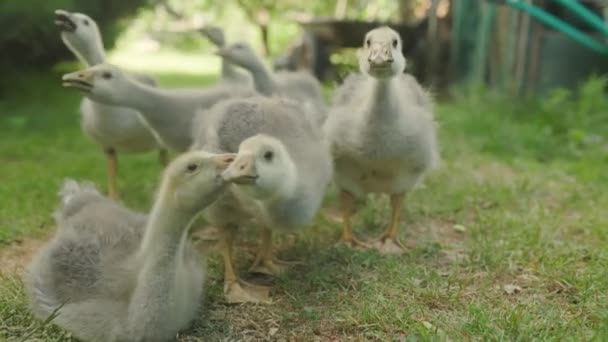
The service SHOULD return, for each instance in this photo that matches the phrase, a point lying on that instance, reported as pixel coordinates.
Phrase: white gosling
(115, 129)
(280, 176)
(382, 133)
(111, 274)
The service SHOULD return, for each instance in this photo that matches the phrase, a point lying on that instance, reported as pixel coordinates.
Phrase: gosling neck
(165, 231)
(262, 80)
(90, 53)
(167, 112)
(385, 97)
(94, 55)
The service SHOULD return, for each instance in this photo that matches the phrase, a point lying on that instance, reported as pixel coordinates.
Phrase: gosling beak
(223, 160)
(81, 80)
(380, 57)
(242, 170)
(64, 21)
(222, 52)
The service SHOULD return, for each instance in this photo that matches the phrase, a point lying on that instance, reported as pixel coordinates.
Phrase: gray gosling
(168, 112)
(111, 274)
(229, 72)
(382, 133)
(115, 129)
(299, 86)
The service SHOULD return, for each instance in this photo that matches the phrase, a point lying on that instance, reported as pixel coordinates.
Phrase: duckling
(280, 176)
(230, 74)
(299, 86)
(115, 129)
(382, 134)
(168, 112)
(116, 275)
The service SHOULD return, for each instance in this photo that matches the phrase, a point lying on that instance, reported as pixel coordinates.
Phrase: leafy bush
(29, 38)
(563, 124)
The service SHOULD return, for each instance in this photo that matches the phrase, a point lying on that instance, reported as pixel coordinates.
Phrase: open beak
(64, 21)
(81, 80)
(242, 170)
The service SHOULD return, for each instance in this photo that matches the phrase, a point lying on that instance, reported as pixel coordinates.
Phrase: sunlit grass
(506, 241)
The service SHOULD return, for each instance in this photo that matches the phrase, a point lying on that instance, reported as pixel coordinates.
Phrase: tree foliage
(28, 36)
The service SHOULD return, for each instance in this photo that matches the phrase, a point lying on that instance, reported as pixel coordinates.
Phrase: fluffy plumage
(286, 193)
(300, 86)
(116, 275)
(381, 128)
(115, 129)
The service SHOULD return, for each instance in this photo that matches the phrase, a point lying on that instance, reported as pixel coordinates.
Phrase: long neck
(384, 98)
(168, 114)
(93, 56)
(91, 53)
(164, 232)
(262, 80)
(157, 284)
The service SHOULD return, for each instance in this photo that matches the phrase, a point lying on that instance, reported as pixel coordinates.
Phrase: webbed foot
(389, 245)
(273, 266)
(242, 292)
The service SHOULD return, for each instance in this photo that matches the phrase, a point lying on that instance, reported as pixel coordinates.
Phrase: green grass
(526, 180)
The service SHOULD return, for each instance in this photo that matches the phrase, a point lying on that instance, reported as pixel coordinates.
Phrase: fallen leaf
(460, 228)
(511, 289)
(273, 331)
(428, 325)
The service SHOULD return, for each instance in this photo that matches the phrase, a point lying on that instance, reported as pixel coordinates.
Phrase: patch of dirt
(15, 257)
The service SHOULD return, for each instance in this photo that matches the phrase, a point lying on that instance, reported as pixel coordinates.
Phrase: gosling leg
(347, 207)
(235, 289)
(389, 243)
(265, 262)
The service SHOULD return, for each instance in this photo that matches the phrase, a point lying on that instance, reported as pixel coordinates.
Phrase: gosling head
(194, 179)
(215, 34)
(103, 82)
(381, 55)
(241, 54)
(79, 32)
(263, 168)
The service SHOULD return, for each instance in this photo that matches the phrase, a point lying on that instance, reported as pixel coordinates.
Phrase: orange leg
(388, 242)
(235, 289)
(265, 262)
(347, 206)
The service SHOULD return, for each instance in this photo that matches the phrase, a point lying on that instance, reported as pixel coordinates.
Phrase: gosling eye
(368, 42)
(268, 155)
(192, 167)
(106, 75)
(395, 43)
(85, 22)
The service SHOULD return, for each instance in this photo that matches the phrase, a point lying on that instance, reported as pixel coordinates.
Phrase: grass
(507, 240)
